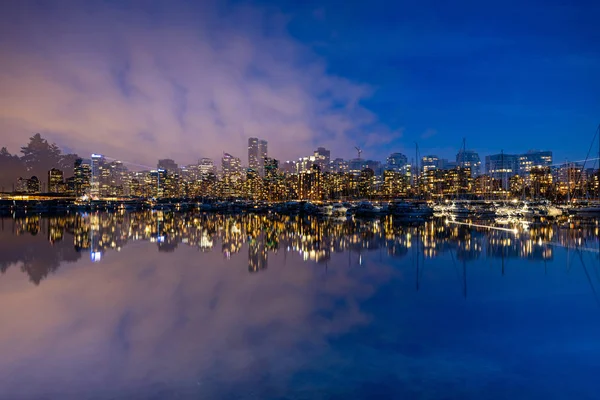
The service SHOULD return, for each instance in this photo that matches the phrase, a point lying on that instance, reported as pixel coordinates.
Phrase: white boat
(326, 209)
(339, 209)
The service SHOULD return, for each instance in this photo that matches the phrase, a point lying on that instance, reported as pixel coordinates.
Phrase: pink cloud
(103, 81)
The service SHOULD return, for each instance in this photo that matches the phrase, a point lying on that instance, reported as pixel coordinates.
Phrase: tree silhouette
(39, 156)
(11, 168)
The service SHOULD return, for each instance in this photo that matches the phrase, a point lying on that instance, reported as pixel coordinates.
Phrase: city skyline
(184, 81)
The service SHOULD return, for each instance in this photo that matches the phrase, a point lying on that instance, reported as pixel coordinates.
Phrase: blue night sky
(143, 80)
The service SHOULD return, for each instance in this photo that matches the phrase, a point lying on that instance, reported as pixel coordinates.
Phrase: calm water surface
(158, 306)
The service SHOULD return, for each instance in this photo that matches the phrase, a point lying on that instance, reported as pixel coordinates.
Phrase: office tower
(97, 161)
(534, 159)
(502, 167)
(430, 163)
(33, 185)
(206, 168)
(231, 166)
(168, 165)
(339, 165)
(257, 152)
(305, 164)
(82, 173)
(323, 158)
(356, 165)
(55, 180)
(469, 159)
(396, 162)
(271, 167)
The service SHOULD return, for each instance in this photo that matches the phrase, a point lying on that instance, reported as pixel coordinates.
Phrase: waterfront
(157, 304)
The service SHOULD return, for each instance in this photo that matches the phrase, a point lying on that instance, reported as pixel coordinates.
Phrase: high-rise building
(430, 163)
(356, 165)
(55, 180)
(257, 152)
(339, 165)
(271, 167)
(82, 173)
(396, 162)
(33, 185)
(97, 161)
(305, 164)
(231, 166)
(469, 159)
(502, 167)
(168, 165)
(323, 157)
(532, 159)
(206, 168)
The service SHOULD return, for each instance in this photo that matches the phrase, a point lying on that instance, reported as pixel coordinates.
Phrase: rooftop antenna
(358, 150)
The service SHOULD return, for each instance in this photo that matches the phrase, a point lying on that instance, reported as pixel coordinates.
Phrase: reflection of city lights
(96, 256)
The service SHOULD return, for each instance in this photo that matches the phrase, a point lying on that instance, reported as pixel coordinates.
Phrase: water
(157, 305)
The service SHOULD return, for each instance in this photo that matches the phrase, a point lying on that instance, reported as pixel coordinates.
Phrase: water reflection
(67, 238)
(162, 305)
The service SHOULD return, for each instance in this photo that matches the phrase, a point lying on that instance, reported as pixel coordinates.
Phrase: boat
(339, 209)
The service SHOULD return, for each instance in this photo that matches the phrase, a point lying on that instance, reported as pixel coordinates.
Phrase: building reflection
(40, 245)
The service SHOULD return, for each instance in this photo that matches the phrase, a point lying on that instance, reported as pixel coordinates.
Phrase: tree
(11, 168)
(39, 156)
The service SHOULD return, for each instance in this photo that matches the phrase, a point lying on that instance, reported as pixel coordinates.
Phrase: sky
(142, 80)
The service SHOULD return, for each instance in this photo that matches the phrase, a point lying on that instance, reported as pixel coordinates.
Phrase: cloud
(145, 321)
(177, 82)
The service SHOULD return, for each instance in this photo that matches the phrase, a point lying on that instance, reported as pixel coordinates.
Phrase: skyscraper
(206, 167)
(396, 162)
(257, 152)
(502, 167)
(231, 166)
(323, 157)
(339, 165)
(168, 165)
(96, 166)
(82, 173)
(469, 159)
(429, 163)
(55, 180)
(532, 159)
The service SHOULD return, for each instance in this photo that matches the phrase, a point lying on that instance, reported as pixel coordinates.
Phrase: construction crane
(358, 150)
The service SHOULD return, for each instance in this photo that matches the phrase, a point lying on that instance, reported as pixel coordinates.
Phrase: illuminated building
(232, 176)
(33, 185)
(339, 165)
(396, 162)
(21, 185)
(571, 177)
(540, 181)
(157, 183)
(97, 161)
(502, 167)
(533, 159)
(55, 180)
(395, 184)
(206, 168)
(309, 186)
(469, 159)
(168, 165)
(356, 165)
(257, 152)
(82, 173)
(366, 184)
(485, 185)
(323, 156)
(430, 163)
